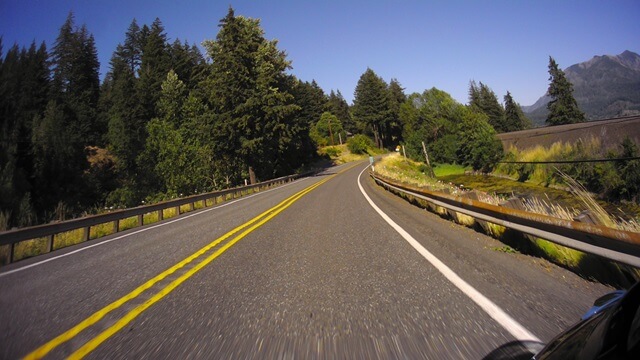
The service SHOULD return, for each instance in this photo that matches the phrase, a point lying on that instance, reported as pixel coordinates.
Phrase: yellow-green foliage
(395, 166)
(67, 238)
(449, 169)
(340, 154)
(29, 248)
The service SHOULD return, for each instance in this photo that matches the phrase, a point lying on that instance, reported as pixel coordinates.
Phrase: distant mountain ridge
(606, 86)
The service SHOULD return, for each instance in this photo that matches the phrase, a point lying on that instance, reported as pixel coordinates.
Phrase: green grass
(449, 169)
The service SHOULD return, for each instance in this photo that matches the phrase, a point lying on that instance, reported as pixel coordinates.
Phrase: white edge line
(502, 318)
(143, 230)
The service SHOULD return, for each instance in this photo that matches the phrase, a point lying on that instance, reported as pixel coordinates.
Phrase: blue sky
(423, 44)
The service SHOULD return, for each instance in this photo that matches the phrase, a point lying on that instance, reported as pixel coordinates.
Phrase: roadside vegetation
(412, 173)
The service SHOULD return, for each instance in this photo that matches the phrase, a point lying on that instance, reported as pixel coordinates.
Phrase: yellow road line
(126, 319)
(97, 316)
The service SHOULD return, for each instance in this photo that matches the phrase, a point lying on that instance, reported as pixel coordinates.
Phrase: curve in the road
(496, 313)
(248, 227)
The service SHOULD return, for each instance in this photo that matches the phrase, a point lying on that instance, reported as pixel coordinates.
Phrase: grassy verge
(586, 265)
(340, 154)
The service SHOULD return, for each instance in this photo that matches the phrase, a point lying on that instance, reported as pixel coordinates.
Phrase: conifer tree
(563, 108)
(396, 98)
(250, 93)
(75, 81)
(514, 116)
(337, 105)
(484, 100)
(371, 106)
(155, 63)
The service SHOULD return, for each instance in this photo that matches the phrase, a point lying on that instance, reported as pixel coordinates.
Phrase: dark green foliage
(432, 117)
(394, 124)
(328, 130)
(155, 63)
(251, 95)
(311, 99)
(483, 99)
(360, 144)
(337, 105)
(514, 117)
(563, 108)
(479, 147)
(75, 81)
(371, 107)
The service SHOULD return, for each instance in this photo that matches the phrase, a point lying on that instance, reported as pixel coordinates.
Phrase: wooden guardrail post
(86, 233)
(160, 214)
(140, 220)
(50, 243)
(11, 246)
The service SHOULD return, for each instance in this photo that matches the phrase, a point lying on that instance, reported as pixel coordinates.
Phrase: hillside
(605, 87)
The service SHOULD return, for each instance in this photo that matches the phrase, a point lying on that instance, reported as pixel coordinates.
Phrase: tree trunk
(252, 175)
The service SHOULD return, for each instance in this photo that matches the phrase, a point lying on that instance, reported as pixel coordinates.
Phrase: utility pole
(426, 156)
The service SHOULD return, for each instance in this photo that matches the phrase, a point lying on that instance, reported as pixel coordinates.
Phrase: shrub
(332, 151)
(359, 144)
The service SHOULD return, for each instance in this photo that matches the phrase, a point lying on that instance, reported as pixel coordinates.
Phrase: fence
(618, 245)
(48, 231)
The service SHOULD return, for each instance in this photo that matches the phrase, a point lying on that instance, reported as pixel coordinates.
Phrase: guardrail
(618, 245)
(48, 231)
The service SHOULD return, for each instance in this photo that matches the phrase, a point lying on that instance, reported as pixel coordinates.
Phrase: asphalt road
(320, 276)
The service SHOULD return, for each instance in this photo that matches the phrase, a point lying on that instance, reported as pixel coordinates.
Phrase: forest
(168, 121)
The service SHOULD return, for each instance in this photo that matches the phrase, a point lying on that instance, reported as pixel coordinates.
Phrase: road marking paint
(131, 315)
(507, 322)
(97, 316)
(140, 231)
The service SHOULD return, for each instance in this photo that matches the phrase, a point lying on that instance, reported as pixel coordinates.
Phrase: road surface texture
(323, 276)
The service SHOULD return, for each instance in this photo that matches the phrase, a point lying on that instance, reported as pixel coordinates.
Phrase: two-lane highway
(308, 270)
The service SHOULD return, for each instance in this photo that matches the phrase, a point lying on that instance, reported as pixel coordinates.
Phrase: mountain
(606, 86)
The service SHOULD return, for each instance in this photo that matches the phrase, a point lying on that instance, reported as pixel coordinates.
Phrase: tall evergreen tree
(515, 118)
(563, 108)
(396, 98)
(155, 63)
(371, 106)
(337, 105)
(484, 100)
(76, 83)
(249, 91)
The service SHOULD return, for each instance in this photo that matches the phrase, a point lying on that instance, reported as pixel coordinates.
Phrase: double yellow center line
(241, 231)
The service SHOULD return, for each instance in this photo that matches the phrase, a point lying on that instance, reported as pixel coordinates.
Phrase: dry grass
(405, 171)
(29, 248)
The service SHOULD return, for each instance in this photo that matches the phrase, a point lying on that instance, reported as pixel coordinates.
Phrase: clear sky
(423, 44)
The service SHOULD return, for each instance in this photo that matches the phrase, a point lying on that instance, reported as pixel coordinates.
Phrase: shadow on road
(515, 350)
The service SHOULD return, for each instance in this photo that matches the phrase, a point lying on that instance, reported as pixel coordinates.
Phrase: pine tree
(76, 83)
(249, 91)
(155, 63)
(336, 104)
(371, 106)
(396, 99)
(312, 100)
(484, 100)
(514, 116)
(563, 108)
